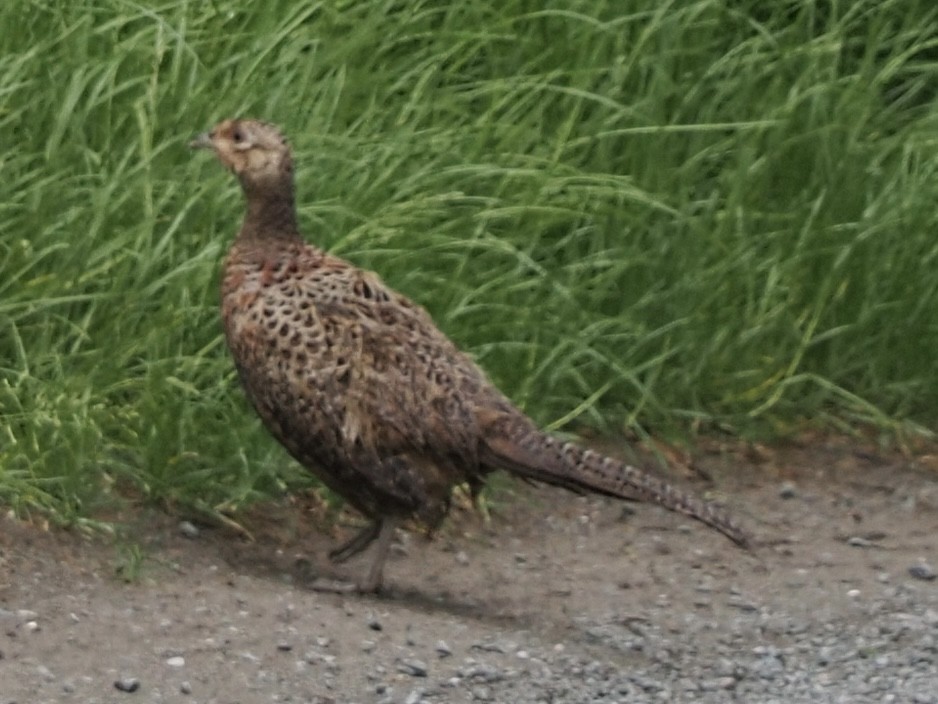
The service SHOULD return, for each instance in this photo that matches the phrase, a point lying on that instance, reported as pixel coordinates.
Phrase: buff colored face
(246, 146)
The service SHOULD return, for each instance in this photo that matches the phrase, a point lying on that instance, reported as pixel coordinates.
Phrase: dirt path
(560, 599)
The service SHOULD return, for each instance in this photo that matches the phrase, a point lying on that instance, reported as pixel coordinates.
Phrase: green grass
(636, 214)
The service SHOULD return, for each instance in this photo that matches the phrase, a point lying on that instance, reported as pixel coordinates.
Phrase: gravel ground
(559, 599)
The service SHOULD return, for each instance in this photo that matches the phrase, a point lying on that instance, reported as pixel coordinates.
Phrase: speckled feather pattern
(361, 387)
(358, 384)
(352, 378)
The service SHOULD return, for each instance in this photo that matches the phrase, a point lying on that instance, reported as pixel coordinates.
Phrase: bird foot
(340, 586)
(326, 581)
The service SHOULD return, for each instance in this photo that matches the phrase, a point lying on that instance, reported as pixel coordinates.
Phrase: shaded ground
(559, 599)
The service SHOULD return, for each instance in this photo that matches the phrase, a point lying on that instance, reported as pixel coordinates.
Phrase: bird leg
(360, 541)
(372, 582)
(382, 531)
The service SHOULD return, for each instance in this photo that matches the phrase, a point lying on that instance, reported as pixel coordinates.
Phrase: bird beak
(202, 141)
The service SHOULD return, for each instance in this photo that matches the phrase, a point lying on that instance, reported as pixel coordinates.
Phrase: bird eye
(237, 136)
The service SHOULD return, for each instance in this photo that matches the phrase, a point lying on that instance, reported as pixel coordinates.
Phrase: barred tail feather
(541, 457)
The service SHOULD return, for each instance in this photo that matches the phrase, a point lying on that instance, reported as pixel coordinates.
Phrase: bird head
(255, 151)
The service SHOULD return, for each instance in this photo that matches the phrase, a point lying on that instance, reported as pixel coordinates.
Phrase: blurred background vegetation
(643, 216)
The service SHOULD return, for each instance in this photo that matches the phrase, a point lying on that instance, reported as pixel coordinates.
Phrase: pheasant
(360, 386)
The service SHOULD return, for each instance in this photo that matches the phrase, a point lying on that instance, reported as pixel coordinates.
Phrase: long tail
(528, 452)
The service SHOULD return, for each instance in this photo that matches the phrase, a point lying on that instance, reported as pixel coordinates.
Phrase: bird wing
(409, 388)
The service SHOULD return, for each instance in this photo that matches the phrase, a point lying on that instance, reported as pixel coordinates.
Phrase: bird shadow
(301, 561)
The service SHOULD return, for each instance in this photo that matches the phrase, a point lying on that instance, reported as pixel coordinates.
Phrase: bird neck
(271, 212)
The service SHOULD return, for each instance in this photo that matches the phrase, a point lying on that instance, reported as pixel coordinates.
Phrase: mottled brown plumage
(361, 387)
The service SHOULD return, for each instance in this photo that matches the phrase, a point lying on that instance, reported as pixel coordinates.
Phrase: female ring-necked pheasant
(360, 386)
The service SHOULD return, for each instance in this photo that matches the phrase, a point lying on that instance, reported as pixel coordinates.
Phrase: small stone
(855, 541)
(483, 673)
(442, 649)
(374, 624)
(489, 647)
(787, 491)
(27, 615)
(127, 684)
(923, 571)
(185, 687)
(462, 558)
(415, 697)
(188, 530)
(769, 667)
(482, 694)
(414, 668)
(284, 647)
(741, 604)
(176, 661)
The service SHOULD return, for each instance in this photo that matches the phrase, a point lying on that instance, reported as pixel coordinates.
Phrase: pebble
(415, 697)
(769, 667)
(482, 694)
(489, 647)
(484, 673)
(414, 668)
(442, 649)
(127, 684)
(373, 623)
(176, 661)
(923, 571)
(188, 530)
(787, 491)
(855, 541)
